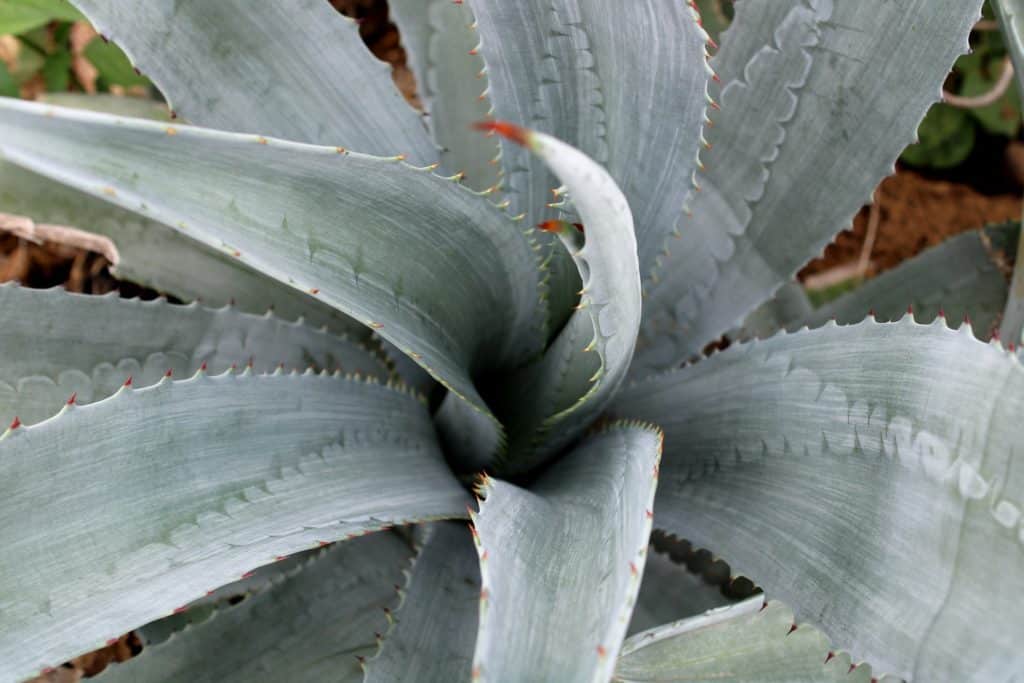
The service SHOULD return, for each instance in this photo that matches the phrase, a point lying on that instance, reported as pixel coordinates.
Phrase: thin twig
(874, 218)
(987, 98)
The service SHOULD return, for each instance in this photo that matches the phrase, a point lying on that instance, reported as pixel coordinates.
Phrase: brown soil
(916, 212)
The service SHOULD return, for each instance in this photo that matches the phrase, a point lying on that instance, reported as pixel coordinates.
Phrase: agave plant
(862, 473)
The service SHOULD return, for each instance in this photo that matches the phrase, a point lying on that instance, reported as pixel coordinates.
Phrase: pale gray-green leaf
(818, 99)
(1011, 21)
(309, 625)
(55, 344)
(789, 305)
(623, 82)
(435, 269)
(213, 476)
(441, 40)
(670, 592)
(751, 641)
(965, 276)
(297, 71)
(869, 476)
(435, 626)
(156, 256)
(561, 562)
(202, 608)
(556, 398)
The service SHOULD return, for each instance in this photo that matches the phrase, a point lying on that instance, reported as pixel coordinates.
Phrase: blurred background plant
(981, 97)
(47, 46)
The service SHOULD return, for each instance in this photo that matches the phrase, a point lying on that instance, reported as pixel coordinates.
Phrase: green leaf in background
(1002, 116)
(57, 71)
(716, 15)
(946, 137)
(113, 65)
(30, 61)
(8, 86)
(18, 16)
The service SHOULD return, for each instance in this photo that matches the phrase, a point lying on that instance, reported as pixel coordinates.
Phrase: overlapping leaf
(154, 255)
(297, 71)
(435, 269)
(808, 125)
(966, 276)
(623, 82)
(751, 641)
(441, 40)
(312, 624)
(565, 558)
(435, 627)
(154, 496)
(549, 403)
(868, 476)
(57, 344)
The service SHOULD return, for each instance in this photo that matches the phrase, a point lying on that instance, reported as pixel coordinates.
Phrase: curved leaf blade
(441, 41)
(669, 592)
(214, 476)
(435, 626)
(868, 476)
(287, 71)
(623, 82)
(565, 558)
(750, 641)
(551, 402)
(153, 255)
(433, 268)
(56, 344)
(807, 127)
(964, 277)
(310, 625)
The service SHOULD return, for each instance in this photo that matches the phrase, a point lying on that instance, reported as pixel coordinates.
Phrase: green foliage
(166, 456)
(114, 68)
(947, 134)
(21, 16)
(43, 29)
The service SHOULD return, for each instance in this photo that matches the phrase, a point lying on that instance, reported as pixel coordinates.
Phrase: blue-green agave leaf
(311, 624)
(435, 269)
(550, 402)
(1011, 21)
(623, 82)
(441, 41)
(57, 344)
(818, 99)
(669, 592)
(153, 255)
(563, 560)
(868, 476)
(214, 476)
(436, 623)
(966, 276)
(751, 641)
(789, 305)
(297, 71)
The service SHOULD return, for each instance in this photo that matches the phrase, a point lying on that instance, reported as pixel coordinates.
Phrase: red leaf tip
(73, 398)
(15, 423)
(509, 131)
(128, 382)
